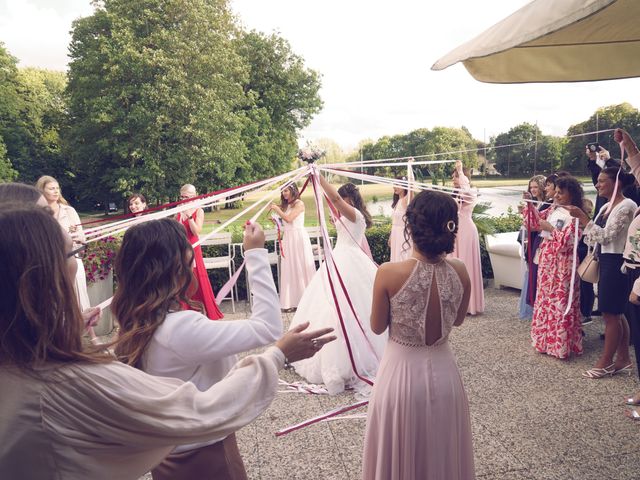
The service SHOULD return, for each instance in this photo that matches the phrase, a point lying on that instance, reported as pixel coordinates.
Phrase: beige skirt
(219, 461)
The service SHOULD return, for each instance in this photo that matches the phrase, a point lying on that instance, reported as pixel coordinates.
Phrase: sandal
(627, 369)
(632, 414)
(632, 401)
(599, 372)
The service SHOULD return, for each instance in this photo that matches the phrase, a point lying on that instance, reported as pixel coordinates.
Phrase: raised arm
(629, 145)
(203, 341)
(195, 224)
(343, 207)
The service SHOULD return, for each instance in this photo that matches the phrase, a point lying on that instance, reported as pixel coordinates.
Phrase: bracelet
(287, 365)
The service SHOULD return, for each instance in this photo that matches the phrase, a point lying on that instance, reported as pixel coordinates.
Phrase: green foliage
(378, 238)
(167, 92)
(155, 89)
(31, 115)
(422, 142)
(623, 116)
(540, 153)
(7, 173)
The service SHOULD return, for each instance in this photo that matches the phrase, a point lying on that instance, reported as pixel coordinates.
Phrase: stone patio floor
(533, 416)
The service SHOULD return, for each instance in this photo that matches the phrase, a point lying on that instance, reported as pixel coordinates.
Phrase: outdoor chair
(505, 254)
(316, 243)
(223, 261)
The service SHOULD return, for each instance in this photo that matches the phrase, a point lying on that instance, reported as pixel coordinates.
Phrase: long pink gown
(467, 247)
(400, 248)
(418, 424)
(297, 266)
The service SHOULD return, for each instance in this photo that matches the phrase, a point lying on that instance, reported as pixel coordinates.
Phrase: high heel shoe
(628, 369)
(599, 372)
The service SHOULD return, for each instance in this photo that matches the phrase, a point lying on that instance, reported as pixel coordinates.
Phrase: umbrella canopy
(556, 41)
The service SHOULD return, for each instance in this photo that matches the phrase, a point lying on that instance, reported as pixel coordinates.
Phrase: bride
(332, 365)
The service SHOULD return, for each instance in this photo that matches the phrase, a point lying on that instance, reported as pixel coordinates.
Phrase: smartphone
(593, 146)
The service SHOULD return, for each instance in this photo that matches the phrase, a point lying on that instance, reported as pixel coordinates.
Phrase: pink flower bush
(98, 258)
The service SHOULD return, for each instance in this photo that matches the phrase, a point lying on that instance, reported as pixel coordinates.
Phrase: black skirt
(613, 291)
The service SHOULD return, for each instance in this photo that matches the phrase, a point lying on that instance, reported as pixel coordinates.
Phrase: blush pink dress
(418, 424)
(467, 246)
(297, 266)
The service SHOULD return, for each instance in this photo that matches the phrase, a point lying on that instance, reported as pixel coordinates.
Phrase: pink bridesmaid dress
(400, 248)
(297, 266)
(467, 246)
(418, 424)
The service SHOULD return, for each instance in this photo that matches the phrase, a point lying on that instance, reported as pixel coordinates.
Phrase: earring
(451, 226)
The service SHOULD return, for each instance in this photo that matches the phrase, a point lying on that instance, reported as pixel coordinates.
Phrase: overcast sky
(374, 57)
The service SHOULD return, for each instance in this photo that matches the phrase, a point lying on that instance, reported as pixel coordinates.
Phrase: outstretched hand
(297, 344)
(578, 213)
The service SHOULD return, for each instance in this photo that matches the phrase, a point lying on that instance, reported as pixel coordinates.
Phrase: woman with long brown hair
(296, 262)
(75, 414)
(158, 336)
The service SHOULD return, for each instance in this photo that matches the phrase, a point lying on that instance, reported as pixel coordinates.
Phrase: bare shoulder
(460, 269)
(298, 203)
(394, 275)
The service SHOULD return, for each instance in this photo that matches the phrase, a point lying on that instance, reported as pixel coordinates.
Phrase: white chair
(317, 243)
(505, 254)
(273, 254)
(223, 261)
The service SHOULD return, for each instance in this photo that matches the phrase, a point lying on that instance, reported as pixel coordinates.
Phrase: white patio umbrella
(556, 41)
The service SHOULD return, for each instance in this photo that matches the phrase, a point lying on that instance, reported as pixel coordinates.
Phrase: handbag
(589, 268)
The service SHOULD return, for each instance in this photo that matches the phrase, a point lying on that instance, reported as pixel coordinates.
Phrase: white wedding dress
(331, 365)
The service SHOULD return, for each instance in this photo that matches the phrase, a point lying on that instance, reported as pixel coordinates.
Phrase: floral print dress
(553, 332)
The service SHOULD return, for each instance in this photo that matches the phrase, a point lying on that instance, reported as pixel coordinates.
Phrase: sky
(375, 58)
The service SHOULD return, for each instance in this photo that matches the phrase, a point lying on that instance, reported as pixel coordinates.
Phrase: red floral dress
(204, 293)
(553, 332)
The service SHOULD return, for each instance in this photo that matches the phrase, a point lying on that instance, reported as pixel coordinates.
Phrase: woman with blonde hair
(69, 220)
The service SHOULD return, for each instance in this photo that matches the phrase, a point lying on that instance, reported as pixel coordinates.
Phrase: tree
(155, 95)
(7, 173)
(282, 97)
(524, 151)
(32, 111)
(623, 115)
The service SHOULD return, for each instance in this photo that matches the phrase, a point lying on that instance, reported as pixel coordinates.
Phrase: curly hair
(432, 222)
(573, 187)
(350, 191)
(154, 277)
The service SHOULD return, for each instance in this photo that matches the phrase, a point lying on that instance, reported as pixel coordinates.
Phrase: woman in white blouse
(67, 413)
(609, 231)
(163, 339)
(69, 220)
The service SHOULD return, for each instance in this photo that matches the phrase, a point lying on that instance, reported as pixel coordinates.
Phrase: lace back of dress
(412, 311)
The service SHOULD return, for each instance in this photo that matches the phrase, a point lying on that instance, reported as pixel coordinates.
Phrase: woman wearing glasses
(68, 218)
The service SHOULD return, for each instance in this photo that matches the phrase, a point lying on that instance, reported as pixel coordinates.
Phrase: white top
(68, 218)
(613, 236)
(112, 421)
(191, 347)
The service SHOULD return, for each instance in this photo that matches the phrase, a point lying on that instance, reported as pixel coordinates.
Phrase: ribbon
(320, 418)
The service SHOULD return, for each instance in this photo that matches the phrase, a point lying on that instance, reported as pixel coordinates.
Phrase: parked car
(112, 207)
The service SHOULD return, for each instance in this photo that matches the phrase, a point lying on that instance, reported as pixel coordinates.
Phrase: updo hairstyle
(432, 222)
